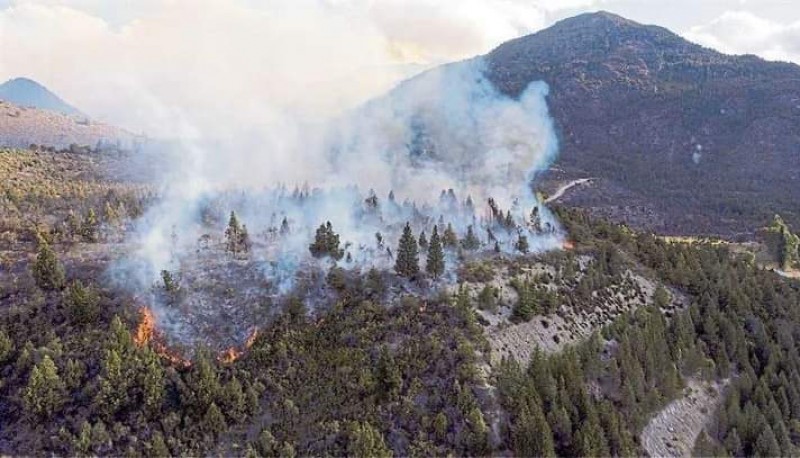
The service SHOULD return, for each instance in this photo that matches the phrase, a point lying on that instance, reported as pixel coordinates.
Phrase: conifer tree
(47, 270)
(435, 262)
(536, 221)
(423, 241)
(44, 394)
(81, 301)
(522, 244)
(407, 263)
(470, 241)
(450, 239)
(244, 239)
(326, 243)
(364, 440)
(89, 227)
(233, 235)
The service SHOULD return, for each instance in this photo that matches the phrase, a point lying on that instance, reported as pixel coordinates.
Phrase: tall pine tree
(407, 263)
(435, 262)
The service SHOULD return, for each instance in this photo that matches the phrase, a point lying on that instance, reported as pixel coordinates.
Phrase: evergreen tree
(326, 243)
(89, 227)
(407, 262)
(366, 441)
(81, 301)
(450, 239)
(213, 421)
(531, 434)
(43, 395)
(6, 346)
(766, 444)
(244, 240)
(536, 220)
(388, 376)
(233, 235)
(423, 240)
(522, 244)
(470, 241)
(435, 262)
(47, 270)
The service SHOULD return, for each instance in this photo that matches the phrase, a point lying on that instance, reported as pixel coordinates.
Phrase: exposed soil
(674, 430)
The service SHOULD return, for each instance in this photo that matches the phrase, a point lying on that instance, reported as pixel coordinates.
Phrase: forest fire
(568, 245)
(146, 333)
(231, 354)
(146, 329)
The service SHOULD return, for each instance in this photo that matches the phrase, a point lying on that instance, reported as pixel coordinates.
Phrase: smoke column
(368, 172)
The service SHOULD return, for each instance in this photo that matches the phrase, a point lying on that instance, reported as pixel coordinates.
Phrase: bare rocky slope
(680, 138)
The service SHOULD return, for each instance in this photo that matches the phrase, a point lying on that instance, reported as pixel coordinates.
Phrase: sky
(187, 67)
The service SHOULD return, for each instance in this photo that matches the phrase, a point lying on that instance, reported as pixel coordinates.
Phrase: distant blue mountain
(28, 93)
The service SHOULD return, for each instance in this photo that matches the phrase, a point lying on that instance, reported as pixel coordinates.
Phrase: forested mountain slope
(386, 365)
(681, 138)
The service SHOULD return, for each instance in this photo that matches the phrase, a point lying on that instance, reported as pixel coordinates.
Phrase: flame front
(232, 354)
(146, 333)
(146, 329)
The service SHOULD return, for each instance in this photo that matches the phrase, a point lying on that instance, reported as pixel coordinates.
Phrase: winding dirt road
(563, 189)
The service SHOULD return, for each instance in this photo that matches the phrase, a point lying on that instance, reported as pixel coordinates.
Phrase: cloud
(742, 32)
(191, 66)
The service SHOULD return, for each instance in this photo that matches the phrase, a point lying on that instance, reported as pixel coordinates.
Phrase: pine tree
(423, 240)
(81, 301)
(47, 270)
(388, 376)
(43, 395)
(522, 244)
(364, 440)
(407, 263)
(326, 243)
(450, 239)
(766, 444)
(531, 434)
(435, 262)
(470, 241)
(213, 421)
(233, 235)
(536, 221)
(89, 227)
(244, 239)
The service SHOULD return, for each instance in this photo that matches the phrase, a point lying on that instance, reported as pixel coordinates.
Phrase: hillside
(681, 139)
(28, 93)
(625, 344)
(21, 126)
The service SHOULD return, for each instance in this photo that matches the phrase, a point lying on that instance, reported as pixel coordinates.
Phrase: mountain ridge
(683, 139)
(31, 94)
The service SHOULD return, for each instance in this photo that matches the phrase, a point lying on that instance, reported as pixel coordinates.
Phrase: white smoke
(446, 129)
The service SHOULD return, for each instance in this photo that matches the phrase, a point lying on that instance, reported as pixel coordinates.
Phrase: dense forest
(377, 375)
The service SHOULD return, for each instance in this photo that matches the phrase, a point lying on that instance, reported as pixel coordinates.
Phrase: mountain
(22, 126)
(31, 114)
(28, 93)
(678, 138)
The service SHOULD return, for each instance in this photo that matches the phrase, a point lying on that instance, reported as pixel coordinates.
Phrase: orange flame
(568, 245)
(146, 333)
(146, 329)
(231, 354)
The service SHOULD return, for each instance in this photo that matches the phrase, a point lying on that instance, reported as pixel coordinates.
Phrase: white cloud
(742, 32)
(214, 63)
